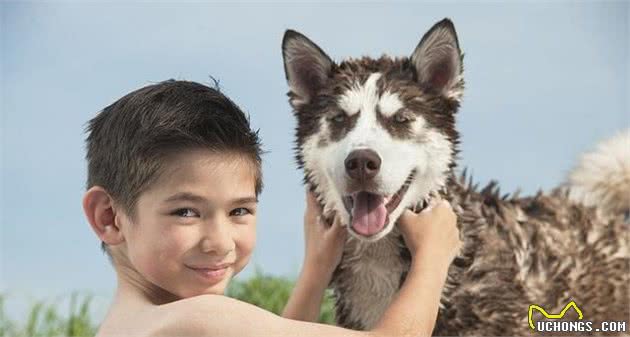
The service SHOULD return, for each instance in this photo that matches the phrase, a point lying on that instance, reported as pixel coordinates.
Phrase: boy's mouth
(212, 274)
(211, 267)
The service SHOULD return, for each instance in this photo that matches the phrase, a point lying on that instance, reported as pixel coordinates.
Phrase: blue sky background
(545, 82)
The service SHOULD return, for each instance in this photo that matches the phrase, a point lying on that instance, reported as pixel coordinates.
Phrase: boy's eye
(185, 212)
(240, 211)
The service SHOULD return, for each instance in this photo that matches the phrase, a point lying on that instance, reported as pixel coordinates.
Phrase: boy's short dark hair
(128, 141)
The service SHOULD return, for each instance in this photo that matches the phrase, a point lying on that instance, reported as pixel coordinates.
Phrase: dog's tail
(602, 177)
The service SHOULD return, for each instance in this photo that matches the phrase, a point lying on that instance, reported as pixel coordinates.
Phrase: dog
(377, 136)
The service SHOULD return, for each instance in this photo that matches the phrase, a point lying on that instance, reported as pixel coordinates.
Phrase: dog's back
(543, 250)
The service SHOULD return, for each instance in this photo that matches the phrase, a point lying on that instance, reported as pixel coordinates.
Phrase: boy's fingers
(337, 227)
(409, 216)
(406, 216)
(319, 221)
(337, 222)
(432, 203)
(309, 196)
(447, 204)
(336, 230)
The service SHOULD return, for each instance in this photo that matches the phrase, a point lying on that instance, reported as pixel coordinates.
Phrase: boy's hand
(323, 243)
(433, 232)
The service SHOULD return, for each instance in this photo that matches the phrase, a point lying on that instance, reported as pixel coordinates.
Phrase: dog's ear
(438, 60)
(306, 66)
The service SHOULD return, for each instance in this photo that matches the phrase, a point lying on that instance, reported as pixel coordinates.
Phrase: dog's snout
(363, 164)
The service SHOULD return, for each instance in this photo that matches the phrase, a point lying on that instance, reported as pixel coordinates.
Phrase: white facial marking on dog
(316, 161)
(418, 125)
(389, 103)
(360, 96)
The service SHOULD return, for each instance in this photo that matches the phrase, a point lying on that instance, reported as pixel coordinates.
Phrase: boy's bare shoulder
(206, 315)
(187, 317)
(127, 321)
(213, 315)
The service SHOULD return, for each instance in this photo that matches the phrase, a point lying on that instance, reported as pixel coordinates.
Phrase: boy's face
(195, 227)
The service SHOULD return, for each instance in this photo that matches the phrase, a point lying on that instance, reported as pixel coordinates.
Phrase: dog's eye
(400, 118)
(338, 118)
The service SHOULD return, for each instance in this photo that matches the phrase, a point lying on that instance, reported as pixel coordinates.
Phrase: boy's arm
(323, 245)
(305, 301)
(412, 313)
(414, 310)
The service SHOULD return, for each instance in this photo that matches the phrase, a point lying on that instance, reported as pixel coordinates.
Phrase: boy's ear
(438, 60)
(99, 209)
(306, 67)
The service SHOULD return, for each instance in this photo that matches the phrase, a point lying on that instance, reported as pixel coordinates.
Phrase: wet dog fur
(398, 116)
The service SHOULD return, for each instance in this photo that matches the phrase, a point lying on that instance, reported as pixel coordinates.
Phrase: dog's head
(375, 136)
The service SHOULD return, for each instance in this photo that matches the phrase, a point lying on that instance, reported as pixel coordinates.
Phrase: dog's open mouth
(369, 212)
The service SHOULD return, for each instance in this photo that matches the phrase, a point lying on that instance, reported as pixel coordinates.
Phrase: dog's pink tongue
(368, 213)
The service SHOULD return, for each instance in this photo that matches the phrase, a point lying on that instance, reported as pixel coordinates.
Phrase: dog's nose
(363, 164)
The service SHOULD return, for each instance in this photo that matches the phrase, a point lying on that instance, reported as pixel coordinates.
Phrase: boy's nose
(218, 241)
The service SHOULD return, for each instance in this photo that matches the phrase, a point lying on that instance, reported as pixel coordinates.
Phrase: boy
(174, 173)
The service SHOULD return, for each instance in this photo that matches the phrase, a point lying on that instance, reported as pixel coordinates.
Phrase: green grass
(47, 319)
(44, 319)
(272, 293)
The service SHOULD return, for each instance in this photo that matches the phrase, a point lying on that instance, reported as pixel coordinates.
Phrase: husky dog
(377, 136)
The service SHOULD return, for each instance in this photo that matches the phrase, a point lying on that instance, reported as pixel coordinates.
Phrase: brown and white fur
(376, 136)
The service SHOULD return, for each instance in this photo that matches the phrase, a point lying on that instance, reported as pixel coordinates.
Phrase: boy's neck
(133, 288)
